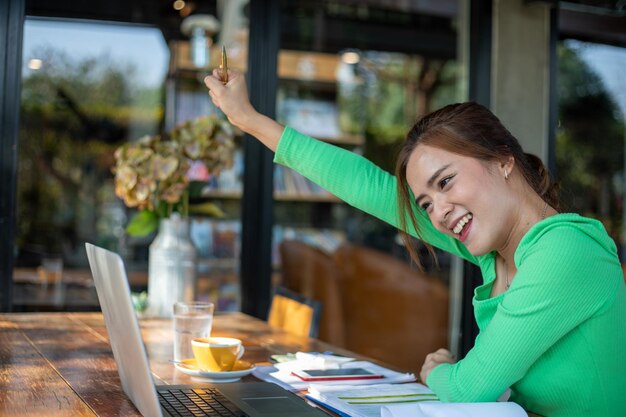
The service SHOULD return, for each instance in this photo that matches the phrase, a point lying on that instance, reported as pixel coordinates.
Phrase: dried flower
(151, 173)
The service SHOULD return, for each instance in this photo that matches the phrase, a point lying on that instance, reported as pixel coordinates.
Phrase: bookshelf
(278, 196)
(308, 99)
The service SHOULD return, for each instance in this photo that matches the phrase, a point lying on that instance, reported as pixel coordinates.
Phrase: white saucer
(190, 368)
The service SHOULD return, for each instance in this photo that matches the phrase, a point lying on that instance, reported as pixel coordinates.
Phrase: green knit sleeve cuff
(439, 381)
(284, 149)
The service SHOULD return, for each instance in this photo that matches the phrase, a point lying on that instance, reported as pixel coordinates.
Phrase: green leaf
(143, 223)
(206, 209)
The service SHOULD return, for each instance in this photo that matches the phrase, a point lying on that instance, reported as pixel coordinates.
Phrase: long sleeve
(358, 182)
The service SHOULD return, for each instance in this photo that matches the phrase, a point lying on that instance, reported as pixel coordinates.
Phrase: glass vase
(172, 267)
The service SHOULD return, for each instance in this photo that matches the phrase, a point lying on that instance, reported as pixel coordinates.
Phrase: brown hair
(468, 129)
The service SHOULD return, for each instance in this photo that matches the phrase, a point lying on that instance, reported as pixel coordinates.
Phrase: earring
(506, 175)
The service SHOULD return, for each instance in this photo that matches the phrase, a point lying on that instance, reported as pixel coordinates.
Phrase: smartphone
(335, 374)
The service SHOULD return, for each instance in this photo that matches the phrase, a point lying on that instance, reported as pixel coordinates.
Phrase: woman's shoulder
(569, 247)
(567, 232)
(571, 259)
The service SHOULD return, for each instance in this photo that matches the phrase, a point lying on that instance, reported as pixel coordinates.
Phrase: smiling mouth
(461, 223)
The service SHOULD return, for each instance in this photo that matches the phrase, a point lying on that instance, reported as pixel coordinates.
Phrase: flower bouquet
(151, 173)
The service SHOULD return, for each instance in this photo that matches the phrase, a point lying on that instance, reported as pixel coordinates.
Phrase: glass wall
(358, 77)
(88, 89)
(590, 132)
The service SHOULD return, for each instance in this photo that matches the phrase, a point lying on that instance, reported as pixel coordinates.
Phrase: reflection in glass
(86, 89)
(590, 132)
(342, 82)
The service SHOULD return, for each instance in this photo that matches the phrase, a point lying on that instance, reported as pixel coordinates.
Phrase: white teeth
(459, 226)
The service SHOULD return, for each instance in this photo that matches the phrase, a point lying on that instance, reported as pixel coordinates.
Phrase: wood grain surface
(61, 364)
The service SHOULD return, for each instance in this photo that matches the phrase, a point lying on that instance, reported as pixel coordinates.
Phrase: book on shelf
(403, 400)
(216, 238)
(317, 118)
(288, 181)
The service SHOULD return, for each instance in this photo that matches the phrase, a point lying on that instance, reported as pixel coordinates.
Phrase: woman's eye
(425, 206)
(445, 181)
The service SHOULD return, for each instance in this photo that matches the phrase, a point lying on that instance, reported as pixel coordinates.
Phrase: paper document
(368, 400)
(282, 372)
(316, 360)
(494, 409)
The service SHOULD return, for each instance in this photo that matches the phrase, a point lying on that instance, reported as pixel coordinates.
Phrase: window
(87, 87)
(590, 132)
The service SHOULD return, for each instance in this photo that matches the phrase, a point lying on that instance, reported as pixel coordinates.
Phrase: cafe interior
(81, 82)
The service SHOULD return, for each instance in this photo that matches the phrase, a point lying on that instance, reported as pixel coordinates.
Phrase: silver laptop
(253, 399)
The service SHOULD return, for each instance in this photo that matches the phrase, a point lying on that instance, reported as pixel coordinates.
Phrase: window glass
(87, 87)
(90, 87)
(590, 132)
(343, 82)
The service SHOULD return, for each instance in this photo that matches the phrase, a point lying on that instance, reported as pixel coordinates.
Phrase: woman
(552, 308)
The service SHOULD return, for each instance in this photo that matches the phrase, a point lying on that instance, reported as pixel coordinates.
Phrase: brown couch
(312, 273)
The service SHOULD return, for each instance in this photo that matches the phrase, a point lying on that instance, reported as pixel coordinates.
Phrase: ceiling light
(200, 28)
(35, 64)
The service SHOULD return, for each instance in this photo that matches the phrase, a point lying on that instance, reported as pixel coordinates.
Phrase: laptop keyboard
(198, 402)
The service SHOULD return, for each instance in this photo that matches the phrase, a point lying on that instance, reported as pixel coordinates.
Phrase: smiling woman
(551, 307)
(466, 144)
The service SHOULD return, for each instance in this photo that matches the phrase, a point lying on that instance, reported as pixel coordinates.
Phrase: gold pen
(224, 66)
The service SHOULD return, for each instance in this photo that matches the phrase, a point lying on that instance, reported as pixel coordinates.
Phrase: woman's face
(464, 197)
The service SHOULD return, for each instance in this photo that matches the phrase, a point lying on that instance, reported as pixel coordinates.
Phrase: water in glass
(190, 323)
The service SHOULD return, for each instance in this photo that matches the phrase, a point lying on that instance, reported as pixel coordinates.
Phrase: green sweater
(556, 337)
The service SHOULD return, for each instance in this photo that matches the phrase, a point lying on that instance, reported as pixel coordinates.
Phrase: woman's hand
(232, 98)
(434, 359)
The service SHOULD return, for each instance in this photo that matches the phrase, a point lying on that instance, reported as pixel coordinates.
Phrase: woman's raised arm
(351, 177)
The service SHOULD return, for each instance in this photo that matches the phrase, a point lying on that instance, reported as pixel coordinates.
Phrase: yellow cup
(216, 354)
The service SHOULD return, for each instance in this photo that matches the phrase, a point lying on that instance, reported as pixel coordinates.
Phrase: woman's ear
(506, 166)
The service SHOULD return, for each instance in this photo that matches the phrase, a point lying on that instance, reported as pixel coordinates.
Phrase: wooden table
(60, 364)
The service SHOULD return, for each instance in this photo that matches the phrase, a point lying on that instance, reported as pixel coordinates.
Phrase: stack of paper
(403, 400)
(497, 409)
(316, 360)
(281, 374)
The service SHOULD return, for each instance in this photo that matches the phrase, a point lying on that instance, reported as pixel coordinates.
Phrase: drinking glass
(191, 321)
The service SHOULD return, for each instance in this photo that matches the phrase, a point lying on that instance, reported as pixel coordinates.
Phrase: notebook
(253, 399)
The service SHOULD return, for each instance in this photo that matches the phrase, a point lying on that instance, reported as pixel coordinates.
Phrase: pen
(224, 66)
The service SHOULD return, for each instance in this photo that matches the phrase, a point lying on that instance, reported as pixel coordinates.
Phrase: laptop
(253, 399)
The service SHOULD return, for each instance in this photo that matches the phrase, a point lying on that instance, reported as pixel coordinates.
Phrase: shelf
(308, 66)
(346, 139)
(319, 86)
(278, 196)
(218, 264)
(307, 198)
(180, 58)
(221, 194)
